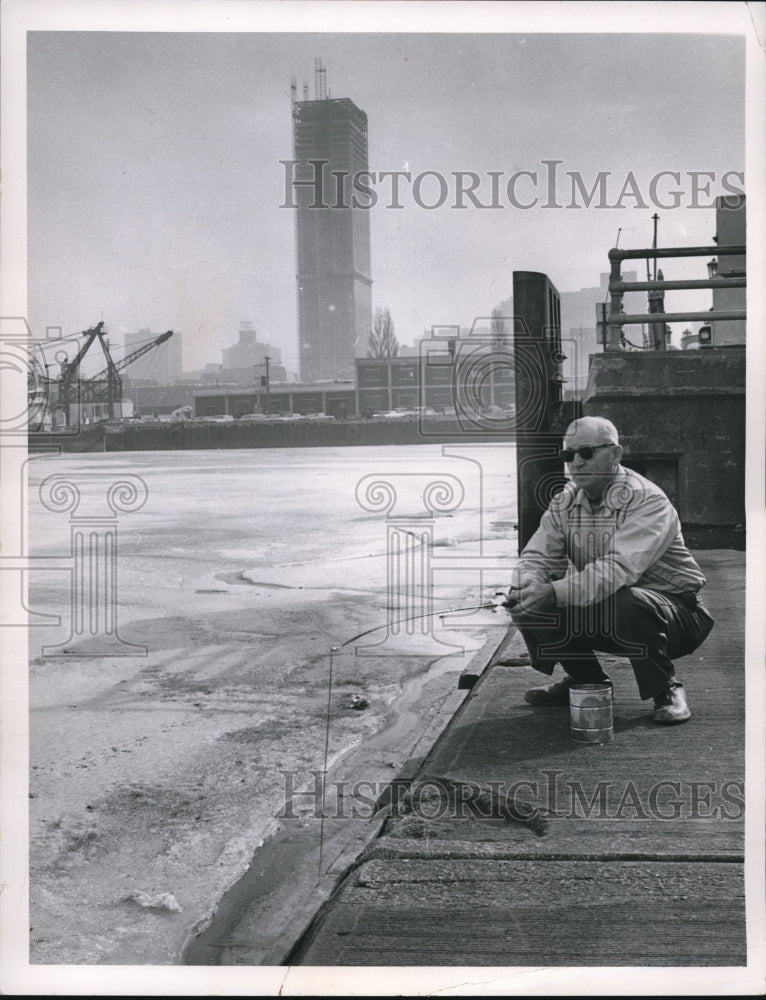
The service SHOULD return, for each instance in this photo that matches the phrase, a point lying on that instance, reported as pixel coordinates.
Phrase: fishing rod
(427, 614)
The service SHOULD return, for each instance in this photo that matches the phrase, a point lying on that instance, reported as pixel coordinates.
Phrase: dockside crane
(105, 385)
(113, 367)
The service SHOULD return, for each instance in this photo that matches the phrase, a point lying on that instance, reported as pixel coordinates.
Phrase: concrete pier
(633, 857)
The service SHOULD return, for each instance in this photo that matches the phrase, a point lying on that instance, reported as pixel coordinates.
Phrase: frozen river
(317, 520)
(198, 597)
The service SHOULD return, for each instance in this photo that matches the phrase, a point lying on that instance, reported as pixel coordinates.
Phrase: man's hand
(535, 596)
(508, 599)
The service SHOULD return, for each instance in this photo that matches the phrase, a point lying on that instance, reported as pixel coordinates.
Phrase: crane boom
(106, 384)
(134, 355)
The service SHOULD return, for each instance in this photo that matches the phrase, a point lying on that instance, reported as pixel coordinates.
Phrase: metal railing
(616, 319)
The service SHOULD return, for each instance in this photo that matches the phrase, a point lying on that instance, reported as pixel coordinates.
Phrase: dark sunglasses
(585, 453)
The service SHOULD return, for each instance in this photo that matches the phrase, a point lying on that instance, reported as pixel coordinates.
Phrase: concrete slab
(629, 852)
(560, 913)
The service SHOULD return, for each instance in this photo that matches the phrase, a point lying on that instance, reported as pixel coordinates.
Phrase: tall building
(161, 365)
(248, 361)
(249, 351)
(332, 238)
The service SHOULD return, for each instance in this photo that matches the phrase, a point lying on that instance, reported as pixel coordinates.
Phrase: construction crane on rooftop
(320, 80)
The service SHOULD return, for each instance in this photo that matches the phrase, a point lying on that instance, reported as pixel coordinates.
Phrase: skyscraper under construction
(332, 237)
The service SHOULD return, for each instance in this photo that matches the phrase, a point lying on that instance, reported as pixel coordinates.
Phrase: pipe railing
(617, 319)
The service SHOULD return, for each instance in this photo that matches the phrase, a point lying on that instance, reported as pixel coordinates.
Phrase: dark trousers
(650, 628)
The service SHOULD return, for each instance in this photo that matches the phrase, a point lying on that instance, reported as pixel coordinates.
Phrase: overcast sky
(154, 181)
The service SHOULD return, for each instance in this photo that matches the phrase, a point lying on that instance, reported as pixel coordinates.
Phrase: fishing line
(333, 650)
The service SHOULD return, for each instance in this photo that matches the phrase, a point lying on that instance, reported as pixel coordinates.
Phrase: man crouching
(608, 570)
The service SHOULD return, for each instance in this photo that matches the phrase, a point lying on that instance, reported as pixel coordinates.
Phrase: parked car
(319, 416)
(218, 418)
(253, 418)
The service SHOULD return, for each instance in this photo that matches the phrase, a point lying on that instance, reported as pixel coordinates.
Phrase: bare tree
(383, 342)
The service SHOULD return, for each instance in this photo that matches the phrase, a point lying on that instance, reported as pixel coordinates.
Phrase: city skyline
(156, 190)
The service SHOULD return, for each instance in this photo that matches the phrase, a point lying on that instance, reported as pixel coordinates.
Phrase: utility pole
(657, 305)
(264, 380)
(657, 335)
(647, 335)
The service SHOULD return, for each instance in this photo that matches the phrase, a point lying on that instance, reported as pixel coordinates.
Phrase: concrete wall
(681, 418)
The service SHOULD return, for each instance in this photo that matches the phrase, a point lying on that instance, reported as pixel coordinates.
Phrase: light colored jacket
(632, 538)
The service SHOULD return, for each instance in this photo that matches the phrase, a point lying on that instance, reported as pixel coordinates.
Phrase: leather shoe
(670, 707)
(550, 694)
(554, 695)
(557, 694)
